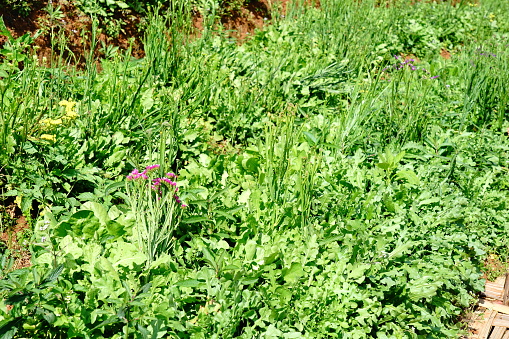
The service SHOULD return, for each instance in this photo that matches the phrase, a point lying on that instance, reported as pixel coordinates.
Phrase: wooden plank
(505, 296)
(496, 296)
(497, 332)
(500, 322)
(503, 316)
(506, 335)
(494, 286)
(489, 317)
(495, 290)
(476, 324)
(500, 280)
(492, 306)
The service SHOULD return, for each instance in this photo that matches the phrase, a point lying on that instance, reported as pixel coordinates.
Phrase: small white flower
(45, 226)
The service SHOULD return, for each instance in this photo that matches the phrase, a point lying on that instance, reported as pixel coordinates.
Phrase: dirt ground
(76, 27)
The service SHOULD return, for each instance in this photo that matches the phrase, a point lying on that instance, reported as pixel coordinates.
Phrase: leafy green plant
(23, 8)
(337, 186)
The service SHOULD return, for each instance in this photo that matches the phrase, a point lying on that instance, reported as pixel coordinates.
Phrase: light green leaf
(99, 211)
(244, 197)
(147, 100)
(294, 273)
(250, 248)
(188, 283)
(409, 176)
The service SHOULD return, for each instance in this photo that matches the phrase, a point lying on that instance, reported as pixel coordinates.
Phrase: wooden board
(497, 332)
(505, 296)
(489, 317)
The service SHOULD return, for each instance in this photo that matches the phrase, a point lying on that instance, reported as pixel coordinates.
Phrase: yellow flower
(70, 113)
(51, 121)
(49, 137)
(18, 200)
(69, 105)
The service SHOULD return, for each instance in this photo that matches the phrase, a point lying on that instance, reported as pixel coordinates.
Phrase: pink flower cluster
(157, 183)
(135, 174)
(408, 63)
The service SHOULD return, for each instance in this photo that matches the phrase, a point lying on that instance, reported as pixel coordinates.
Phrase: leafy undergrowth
(326, 178)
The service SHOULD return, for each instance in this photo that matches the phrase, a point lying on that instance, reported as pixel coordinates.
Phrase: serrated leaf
(54, 274)
(400, 249)
(244, 197)
(429, 201)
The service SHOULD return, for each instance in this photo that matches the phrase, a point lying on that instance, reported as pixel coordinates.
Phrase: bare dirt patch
(71, 24)
(9, 238)
(75, 26)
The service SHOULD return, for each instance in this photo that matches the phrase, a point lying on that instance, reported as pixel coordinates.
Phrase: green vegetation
(336, 176)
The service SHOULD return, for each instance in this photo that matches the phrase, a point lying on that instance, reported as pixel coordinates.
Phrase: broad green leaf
(69, 246)
(84, 223)
(424, 287)
(4, 30)
(9, 327)
(311, 138)
(294, 273)
(188, 283)
(99, 211)
(409, 176)
(115, 229)
(147, 99)
(126, 255)
(250, 248)
(358, 271)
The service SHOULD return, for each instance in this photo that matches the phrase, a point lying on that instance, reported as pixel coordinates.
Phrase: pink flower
(134, 175)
